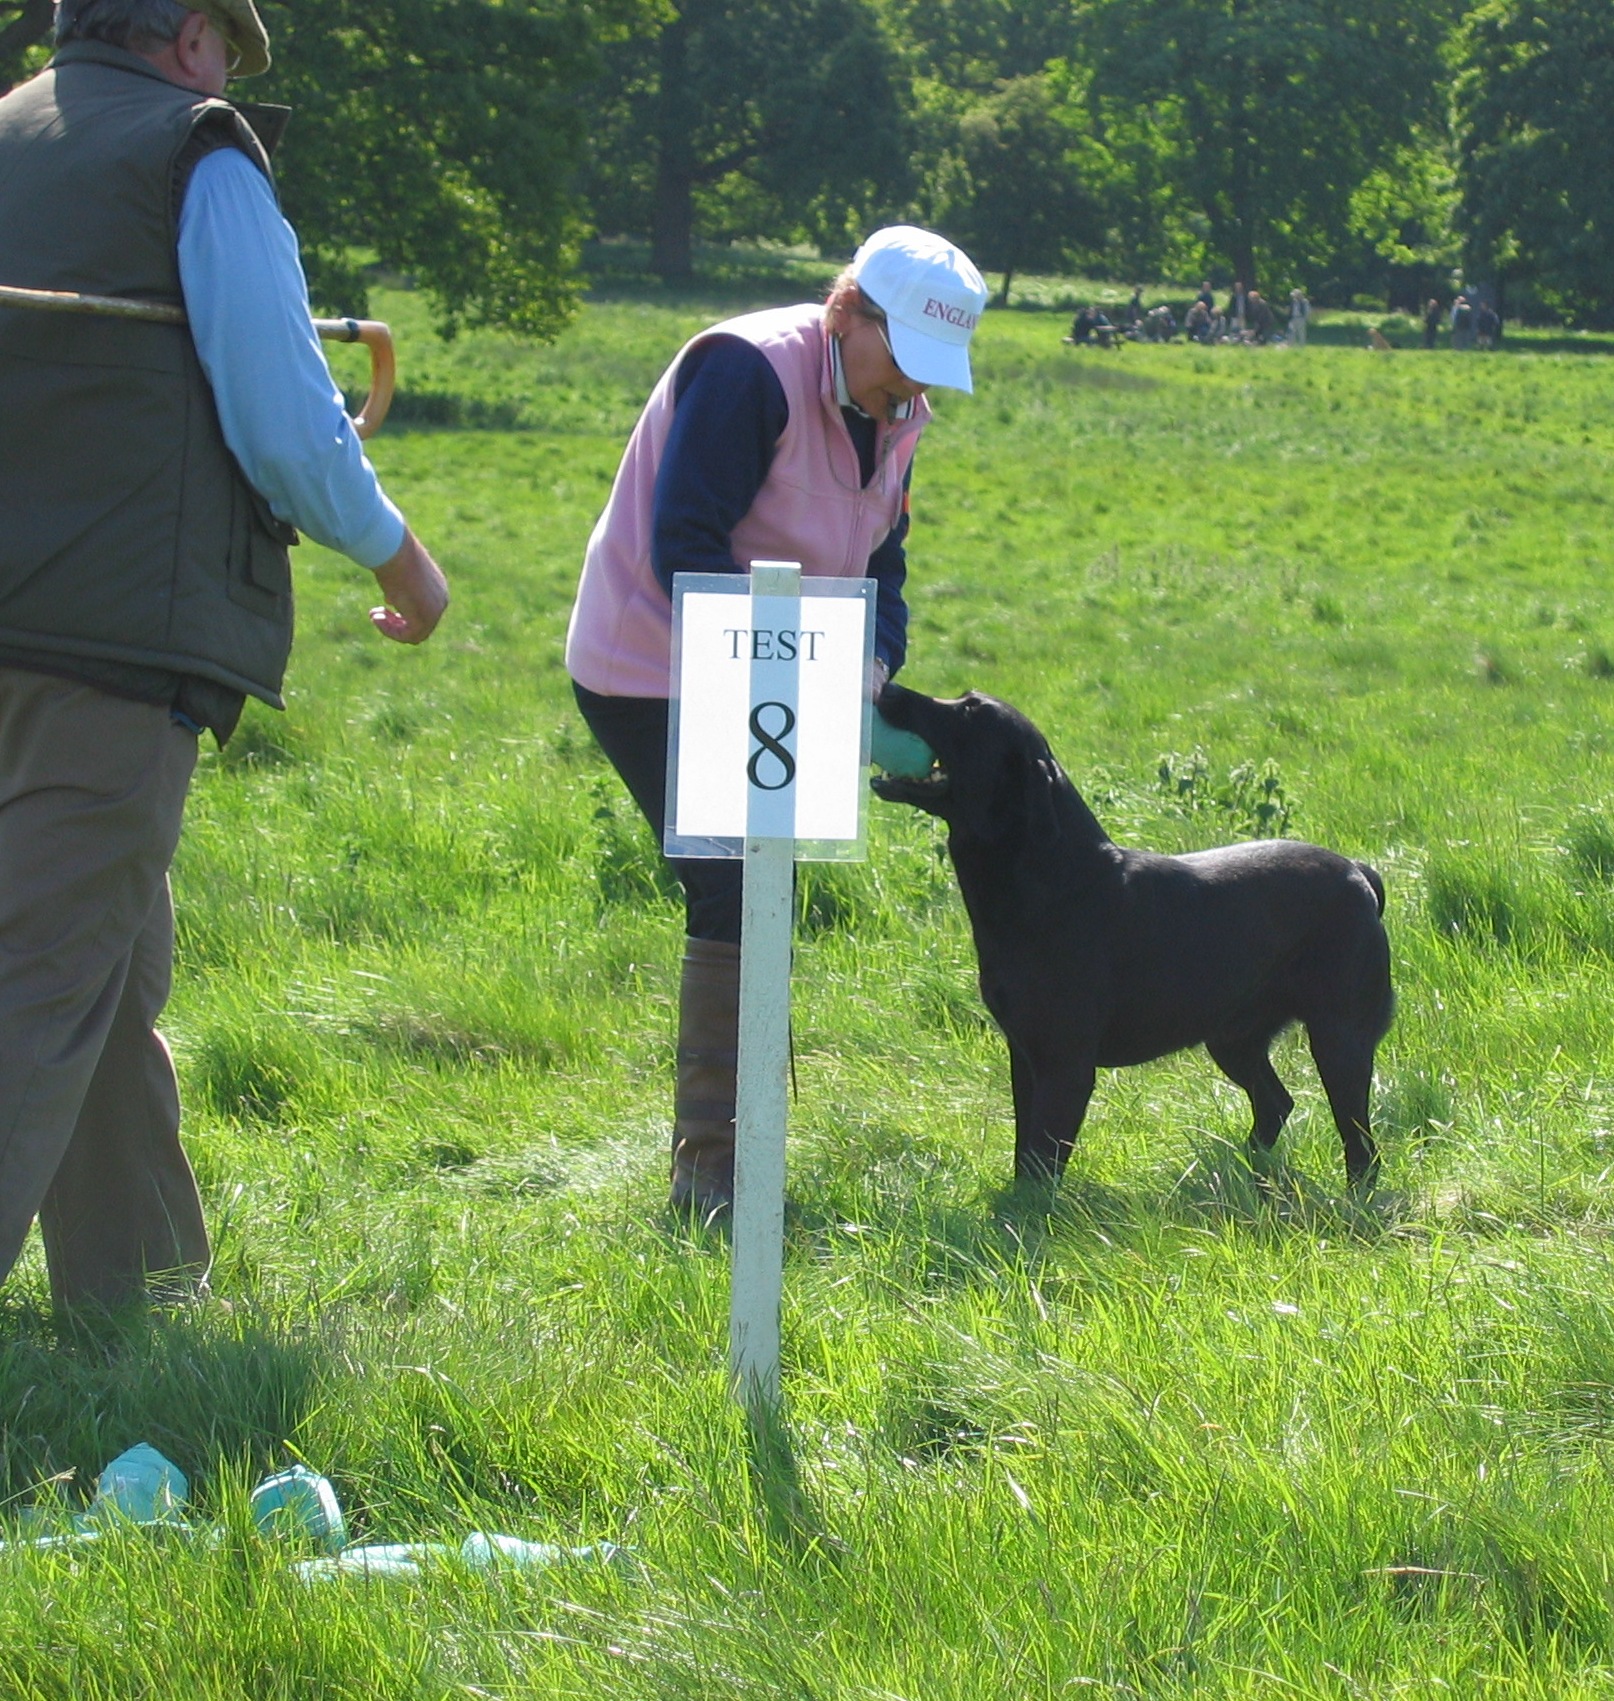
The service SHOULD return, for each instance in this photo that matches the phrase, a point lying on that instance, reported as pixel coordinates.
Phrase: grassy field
(1152, 1436)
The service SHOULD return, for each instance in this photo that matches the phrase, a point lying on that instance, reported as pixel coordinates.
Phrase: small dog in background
(1092, 956)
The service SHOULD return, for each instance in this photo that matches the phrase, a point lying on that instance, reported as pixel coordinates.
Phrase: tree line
(1366, 150)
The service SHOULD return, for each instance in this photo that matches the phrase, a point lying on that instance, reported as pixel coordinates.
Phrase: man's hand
(416, 593)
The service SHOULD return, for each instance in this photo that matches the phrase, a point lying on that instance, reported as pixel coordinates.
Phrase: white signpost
(767, 747)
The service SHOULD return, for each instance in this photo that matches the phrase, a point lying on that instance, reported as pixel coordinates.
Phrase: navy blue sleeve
(729, 410)
(888, 567)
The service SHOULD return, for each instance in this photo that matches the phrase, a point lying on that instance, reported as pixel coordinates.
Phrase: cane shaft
(375, 336)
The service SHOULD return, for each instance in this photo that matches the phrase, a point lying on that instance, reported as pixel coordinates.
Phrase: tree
(1268, 114)
(969, 46)
(775, 118)
(1402, 218)
(23, 25)
(444, 137)
(440, 137)
(1009, 189)
(1535, 115)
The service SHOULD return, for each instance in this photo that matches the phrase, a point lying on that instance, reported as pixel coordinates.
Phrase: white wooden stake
(762, 1109)
(762, 1099)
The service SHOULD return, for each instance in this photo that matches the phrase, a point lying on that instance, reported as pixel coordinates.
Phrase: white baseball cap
(932, 296)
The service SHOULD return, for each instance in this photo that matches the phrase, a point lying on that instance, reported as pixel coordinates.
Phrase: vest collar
(118, 58)
(267, 122)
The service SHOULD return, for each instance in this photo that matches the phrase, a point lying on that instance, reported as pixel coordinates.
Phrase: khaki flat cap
(242, 28)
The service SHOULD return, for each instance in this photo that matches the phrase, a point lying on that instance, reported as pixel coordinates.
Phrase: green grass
(1156, 1436)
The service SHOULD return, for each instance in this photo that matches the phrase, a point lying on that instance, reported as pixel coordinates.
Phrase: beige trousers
(92, 791)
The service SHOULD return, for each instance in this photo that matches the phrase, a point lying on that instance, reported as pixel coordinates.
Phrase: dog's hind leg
(1344, 1059)
(1245, 1063)
(1049, 1105)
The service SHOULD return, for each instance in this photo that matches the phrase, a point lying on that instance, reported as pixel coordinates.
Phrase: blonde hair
(848, 294)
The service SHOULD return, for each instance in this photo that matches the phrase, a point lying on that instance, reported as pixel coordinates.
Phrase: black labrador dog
(1093, 956)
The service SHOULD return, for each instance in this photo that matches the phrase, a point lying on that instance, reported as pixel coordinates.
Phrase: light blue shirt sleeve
(281, 413)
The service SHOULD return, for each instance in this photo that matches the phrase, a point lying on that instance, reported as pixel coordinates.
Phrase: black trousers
(632, 731)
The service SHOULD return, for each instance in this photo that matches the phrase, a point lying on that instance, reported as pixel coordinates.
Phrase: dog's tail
(1371, 875)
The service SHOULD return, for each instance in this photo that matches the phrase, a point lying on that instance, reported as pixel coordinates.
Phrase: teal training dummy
(902, 753)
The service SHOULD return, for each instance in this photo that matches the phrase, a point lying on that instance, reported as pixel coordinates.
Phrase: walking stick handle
(376, 336)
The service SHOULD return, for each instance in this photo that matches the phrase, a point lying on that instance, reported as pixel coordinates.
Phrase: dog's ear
(1010, 796)
(1042, 793)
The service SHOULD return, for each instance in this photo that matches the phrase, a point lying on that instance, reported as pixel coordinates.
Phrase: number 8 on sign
(770, 744)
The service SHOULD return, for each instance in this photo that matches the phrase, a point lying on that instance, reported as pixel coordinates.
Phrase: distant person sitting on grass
(150, 478)
(1091, 326)
(1197, 322)
(786, 435)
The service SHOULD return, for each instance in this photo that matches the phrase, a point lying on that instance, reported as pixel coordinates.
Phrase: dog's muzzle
(924, 791)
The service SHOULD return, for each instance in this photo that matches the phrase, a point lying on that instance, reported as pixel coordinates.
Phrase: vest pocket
(260, 568)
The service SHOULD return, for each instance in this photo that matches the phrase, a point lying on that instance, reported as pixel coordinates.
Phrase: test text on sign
(767, 644)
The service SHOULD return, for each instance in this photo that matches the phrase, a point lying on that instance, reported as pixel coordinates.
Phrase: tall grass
(1156, 1434)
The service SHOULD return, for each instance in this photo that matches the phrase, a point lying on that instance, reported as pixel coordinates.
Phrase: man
(1299, 318)
(1462, 323)
(150, 478)
(1261, 319)
(785, 435)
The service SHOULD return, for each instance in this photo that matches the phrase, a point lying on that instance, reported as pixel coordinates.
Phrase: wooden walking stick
(375, 336)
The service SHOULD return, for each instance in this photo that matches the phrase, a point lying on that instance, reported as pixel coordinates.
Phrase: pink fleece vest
(811, 507)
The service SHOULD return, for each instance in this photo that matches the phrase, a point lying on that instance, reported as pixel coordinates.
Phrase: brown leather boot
(708, 1047)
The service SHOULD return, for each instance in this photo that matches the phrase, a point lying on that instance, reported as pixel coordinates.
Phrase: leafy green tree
(1010, 187)
(1402, 217)
(1535, 115)
(969, 46)
(441, 137)
(771, 118)
(24, 24)
(1267, 115)
(444, 137)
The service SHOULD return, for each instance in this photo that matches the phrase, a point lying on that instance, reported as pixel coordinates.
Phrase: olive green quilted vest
(127, 532)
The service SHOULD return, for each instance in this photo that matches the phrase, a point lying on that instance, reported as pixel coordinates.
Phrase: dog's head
(995, 778)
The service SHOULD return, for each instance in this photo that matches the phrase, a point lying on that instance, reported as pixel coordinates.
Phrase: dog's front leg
(1049, 1104)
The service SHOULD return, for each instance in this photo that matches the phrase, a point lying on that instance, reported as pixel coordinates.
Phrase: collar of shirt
(904, 410)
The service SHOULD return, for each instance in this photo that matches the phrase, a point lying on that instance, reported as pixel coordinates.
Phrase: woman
(782, 435)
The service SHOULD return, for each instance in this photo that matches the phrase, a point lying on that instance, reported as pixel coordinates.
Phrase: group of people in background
(1472, 320)
(1247, 318)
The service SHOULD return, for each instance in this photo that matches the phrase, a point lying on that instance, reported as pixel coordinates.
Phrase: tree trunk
(1003, 294)
(1244, 258)
(672, 228)
(672, 214)
(1242, 187)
